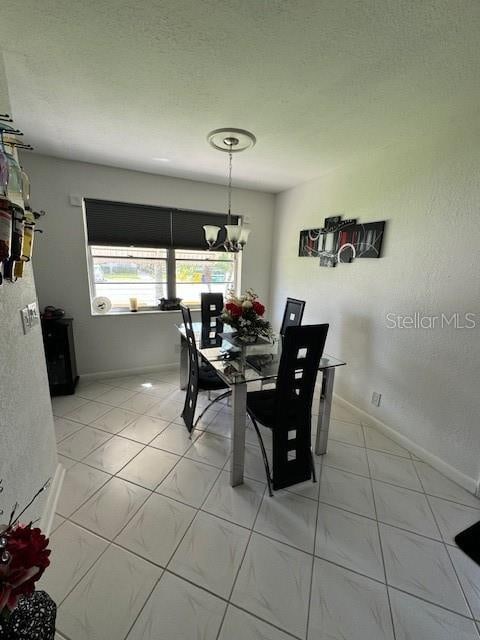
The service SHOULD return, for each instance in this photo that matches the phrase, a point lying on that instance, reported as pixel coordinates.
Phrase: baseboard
(53, 495)
(468, 483)
(119, 373)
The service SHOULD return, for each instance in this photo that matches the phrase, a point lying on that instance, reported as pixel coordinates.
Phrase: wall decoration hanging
(17, 219)
(342, 241)
(308, 244)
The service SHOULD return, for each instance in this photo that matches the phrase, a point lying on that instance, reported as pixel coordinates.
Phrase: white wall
(125, 341)
(430, 193)
(27, 443)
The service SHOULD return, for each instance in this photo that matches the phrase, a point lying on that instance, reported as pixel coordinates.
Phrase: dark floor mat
(469, 542)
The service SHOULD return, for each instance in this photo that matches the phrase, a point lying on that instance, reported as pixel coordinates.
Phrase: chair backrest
(293, 314)
(297, 373)
(188, 413)
(211, 307)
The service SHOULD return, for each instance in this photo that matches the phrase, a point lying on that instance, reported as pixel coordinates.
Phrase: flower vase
(33, 618)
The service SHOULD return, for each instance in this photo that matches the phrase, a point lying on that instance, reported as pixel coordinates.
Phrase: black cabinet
(60, 355)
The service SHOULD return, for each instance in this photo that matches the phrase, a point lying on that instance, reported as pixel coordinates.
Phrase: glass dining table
(238, 365)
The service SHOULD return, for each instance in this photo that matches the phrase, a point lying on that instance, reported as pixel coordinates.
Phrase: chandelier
(236, 235)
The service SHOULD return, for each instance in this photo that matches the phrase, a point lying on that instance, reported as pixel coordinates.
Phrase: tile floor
(151, 543)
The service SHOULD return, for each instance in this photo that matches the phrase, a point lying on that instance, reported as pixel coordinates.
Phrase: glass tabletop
(236, 362)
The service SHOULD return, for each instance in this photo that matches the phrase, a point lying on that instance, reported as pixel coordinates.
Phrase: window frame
(171, 262)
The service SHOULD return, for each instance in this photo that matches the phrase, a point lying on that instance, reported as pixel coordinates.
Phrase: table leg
(237, 463)
(325, 406)
(183, 363)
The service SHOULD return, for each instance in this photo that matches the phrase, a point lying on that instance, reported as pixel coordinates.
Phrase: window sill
(144, 312)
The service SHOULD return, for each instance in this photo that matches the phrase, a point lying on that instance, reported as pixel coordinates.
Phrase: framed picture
(331, 223)
(308, 243)
(327, 249)
(329, 240)
(342, 241)
(361, 241)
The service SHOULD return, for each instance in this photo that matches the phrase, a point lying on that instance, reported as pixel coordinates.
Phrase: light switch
(25, 316)
(33, 314)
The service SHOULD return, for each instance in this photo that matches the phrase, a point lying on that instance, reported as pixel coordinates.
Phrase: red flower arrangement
(233, 309)
(245, 314)
(258, 307)
(24, 556)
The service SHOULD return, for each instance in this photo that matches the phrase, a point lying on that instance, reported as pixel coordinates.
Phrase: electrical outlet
(25, 316)
(33, 314)
(376, 397)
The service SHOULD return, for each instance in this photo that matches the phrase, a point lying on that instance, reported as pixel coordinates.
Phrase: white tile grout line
(177, 546)
(198, 509)
(476, 619)
(175, 390)
(243, 557)
(143, 606)
(161, 575)
(114, 542)
(441, 542)
(381, 551)
(434, 604)
(83, 461)
(312, 569)
(116, 475)
(202, 431)
(446, 548)
(220, 470)
(119, 434)
(156, 491)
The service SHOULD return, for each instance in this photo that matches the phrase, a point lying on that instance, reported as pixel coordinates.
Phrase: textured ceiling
(121, 82)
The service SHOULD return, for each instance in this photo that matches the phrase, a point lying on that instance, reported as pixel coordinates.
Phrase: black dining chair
(292, 317)
(293, 314)
(287, 409)
(201, 376)
(211, 306)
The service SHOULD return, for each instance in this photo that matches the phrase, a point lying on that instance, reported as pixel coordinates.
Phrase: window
(121, 273)
(197, 271)
(152, 252)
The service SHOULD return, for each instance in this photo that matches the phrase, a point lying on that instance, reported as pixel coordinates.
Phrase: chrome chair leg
(264, 455)
(217, 399)
(312, 463)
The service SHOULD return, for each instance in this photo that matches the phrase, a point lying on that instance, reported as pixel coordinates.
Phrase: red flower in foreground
(234, 310)
(258, 307)
(29, 559)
